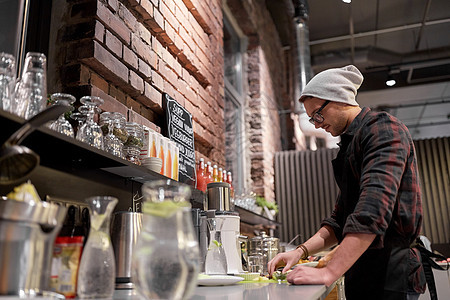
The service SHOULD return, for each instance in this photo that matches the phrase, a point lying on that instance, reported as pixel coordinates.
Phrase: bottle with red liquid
(201, 176)
(230, 181)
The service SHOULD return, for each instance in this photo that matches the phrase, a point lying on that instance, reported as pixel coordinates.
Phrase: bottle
(224, 176)
(67, 248)
(201, 176)
(215, 174)
(209, 177)
(220, 175)
(230, 181)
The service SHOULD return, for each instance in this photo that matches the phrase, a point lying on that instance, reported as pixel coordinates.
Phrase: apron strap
(428, 263)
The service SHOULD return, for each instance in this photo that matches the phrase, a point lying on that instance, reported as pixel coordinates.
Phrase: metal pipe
(380, 31)
(425, 14)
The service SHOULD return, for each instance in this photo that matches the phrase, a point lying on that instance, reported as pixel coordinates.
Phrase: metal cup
(218, 196)
(125, 230)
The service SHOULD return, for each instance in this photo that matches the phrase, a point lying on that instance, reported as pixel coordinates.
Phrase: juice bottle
(209, 177)
(215, 174)
(153, 147)
(175, 164)
(201, 176)
(161, 155)
(220, 175)
(169, 162)
(230, 181)
(224, 176)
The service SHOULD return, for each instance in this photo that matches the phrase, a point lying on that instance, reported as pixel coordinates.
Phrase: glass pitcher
(166, 258)
(97, 271)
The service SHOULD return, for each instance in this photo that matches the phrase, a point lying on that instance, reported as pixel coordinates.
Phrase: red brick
(157, 47)
(145, 9)
(130, 58)
(159, 19)
(155, 3)
(169, 16)
(136, 82)
(99, 31)
(127, 17)
(144, 34)
(153, 94)
(117, 94)
(113, 22)
(144, 69)
(99, 82)
(144, 51)
(110, 102)
(113, 5)
(113, 43)
(157, 80)
(104, 62)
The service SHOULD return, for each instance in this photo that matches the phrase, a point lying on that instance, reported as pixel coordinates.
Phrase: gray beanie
(338, 85)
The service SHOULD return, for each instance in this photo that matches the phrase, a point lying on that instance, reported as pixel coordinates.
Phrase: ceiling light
(390, 81)
(346, 1)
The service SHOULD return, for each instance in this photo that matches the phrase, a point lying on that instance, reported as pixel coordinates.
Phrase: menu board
(179, 130)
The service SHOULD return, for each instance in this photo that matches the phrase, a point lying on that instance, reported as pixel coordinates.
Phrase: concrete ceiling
(406, 39)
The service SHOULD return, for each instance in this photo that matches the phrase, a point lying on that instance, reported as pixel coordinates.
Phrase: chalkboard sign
(179, 130)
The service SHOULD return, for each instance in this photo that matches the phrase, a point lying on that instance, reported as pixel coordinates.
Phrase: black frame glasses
(317, 116)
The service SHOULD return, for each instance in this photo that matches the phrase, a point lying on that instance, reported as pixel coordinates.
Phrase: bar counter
(248, 291)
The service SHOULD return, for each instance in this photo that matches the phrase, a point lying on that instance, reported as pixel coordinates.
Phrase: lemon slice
(164, 209)
(25, 192)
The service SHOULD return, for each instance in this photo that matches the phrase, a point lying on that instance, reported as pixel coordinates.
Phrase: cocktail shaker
(125, 230)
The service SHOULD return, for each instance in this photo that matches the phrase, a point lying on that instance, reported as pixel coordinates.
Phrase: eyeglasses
(317, 116)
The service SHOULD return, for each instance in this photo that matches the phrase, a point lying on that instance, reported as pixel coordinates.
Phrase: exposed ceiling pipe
(379, 31)
(425, 14)
(304, 72)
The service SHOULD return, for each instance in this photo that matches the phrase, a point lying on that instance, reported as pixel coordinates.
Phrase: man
(378, 213)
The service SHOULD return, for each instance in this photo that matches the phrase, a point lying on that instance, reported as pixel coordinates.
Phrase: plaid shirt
(376, 171)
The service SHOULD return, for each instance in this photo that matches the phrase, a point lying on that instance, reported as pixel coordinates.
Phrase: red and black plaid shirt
(377, 174)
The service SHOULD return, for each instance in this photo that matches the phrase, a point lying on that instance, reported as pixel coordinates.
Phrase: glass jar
(165, 263)
(135, 141)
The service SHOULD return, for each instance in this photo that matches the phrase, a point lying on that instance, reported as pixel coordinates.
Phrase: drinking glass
(31, 90)
(61, 125)
(97, 271)
(7, 81)
(255, 264)
(165, 261)
(90, 132)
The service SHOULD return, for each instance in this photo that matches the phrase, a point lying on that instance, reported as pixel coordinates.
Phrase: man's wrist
(305, 252)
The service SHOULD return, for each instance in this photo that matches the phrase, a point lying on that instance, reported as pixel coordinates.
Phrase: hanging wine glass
(61, 125)
(90, 132)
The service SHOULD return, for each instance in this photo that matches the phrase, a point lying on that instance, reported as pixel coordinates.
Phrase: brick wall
(265, 72)
(131, 51)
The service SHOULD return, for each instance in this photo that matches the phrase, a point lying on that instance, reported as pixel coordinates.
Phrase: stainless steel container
(27, 233)
(218, 196)
(125, 230)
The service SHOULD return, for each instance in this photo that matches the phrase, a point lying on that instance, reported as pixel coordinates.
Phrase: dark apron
(378, 273)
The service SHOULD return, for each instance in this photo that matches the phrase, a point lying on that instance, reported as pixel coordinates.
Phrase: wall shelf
(71, 169)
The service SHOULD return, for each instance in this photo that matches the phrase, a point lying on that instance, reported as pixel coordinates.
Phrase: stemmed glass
(111, 143)
(90, 132)
(61, 125)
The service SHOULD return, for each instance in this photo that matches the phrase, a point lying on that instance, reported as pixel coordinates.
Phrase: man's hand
(286, 259)
(309, 275)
